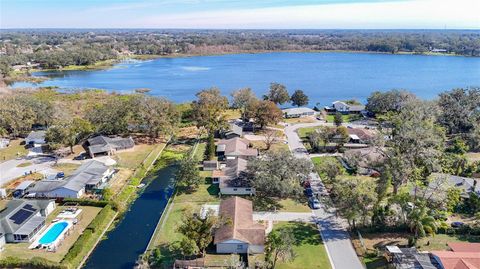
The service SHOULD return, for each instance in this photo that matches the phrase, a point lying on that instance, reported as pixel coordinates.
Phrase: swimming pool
(53, 233)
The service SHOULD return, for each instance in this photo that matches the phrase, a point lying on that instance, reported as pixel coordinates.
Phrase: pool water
(52, 234)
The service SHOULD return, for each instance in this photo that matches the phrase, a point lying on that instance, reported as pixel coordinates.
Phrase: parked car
(308, 192)
(81, 156)
(457, 224)
(307, 184)
(60, 175)
(313, 203)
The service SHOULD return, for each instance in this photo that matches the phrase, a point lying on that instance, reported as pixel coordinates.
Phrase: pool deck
(54, 243)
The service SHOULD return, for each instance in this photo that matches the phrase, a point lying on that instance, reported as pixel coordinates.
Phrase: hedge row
(34, 263)
(84, 241)
(85, 202)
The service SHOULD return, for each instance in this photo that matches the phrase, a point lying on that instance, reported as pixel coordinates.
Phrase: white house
(4, 143)
(345, 107)
(241, 234)
(89, 177)
(297, 112)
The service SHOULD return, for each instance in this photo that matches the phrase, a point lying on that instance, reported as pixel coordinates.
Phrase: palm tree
(421, 223)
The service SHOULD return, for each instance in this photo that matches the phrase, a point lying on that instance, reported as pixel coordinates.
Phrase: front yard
(309, 249)
(14, 150)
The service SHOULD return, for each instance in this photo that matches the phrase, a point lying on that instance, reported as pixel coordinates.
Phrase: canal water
(130, 237)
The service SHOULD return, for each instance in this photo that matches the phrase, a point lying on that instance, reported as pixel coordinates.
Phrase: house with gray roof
(36, 137)
(89, 177)
(232, 178)
(234, 130)
(439, 183)
(297, 112)
(104, 145)
(22, 219)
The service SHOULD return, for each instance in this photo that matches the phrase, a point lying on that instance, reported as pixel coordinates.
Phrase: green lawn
(309, 249)
(206, 193)
(67, 168)
(13, 151)
(303, 132)
(133, 158)
(290, 205)
(331, 118)
(317, 162)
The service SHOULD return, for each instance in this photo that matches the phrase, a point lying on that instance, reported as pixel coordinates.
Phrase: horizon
(242, 15)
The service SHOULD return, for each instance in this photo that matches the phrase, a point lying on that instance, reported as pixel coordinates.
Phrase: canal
(130, 237)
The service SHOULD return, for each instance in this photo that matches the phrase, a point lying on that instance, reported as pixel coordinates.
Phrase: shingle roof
(102, 143)
(237, 147)
(9, 226)
(240, 225)
(90, 172)
(34, 135)
(232, 174)
(297, 110)
(464, 247)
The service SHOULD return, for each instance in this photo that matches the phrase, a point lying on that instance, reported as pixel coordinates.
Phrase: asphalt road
(333, 229)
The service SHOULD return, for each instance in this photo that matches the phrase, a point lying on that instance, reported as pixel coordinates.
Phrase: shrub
(85, 202)
(35, 263)
(99, 219)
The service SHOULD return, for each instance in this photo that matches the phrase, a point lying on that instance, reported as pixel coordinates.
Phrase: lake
(325, 77)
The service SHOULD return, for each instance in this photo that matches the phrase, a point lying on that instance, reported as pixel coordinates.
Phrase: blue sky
(322, 14)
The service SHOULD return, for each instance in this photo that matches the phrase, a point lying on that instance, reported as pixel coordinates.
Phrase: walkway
(332, 229)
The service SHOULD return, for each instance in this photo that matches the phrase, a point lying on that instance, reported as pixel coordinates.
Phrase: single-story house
(89, 177)
(22, 219)
(360, 136)
(409, 258)
(240, 234)
(4, 143)
(462, 255)
(464, 184)
(297, 112)
(345, 107)
(235, 148)
(36, 137)
(233, 130)
(232, 179)
(103, 145)
(210, 165)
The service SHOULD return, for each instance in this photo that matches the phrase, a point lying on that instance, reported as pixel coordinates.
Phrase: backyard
(21, 250)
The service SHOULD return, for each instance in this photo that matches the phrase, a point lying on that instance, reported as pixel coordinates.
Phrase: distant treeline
(58, 48)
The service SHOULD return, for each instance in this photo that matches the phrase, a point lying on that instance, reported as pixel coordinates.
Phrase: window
(248, 189)
(234, 189)
(239, 247)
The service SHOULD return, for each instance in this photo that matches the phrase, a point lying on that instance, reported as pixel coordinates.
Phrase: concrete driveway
(332, 229)
(10, 170)
(284, 216)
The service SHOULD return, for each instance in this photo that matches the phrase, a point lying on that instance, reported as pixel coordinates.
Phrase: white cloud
(409, 14)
